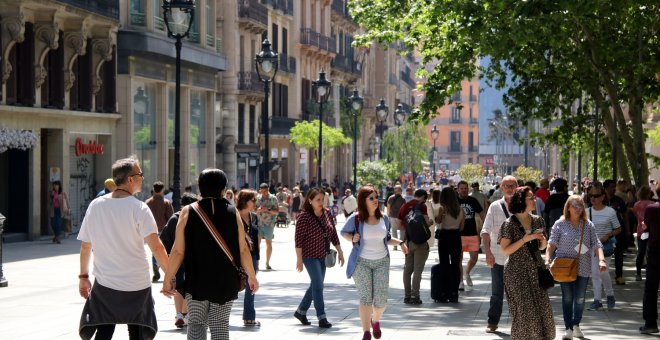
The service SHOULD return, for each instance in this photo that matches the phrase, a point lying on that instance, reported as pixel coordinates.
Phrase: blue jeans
(316, 270)
(497, 294)
(56, 221)
(248, 301)
(572, 300)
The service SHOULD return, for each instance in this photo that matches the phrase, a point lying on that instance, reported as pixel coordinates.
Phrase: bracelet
(402, 242)
(83, 276)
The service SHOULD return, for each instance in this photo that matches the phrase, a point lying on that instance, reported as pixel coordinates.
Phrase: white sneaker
(468, 280)
(461, 286)
(568, 335)
(577, 332)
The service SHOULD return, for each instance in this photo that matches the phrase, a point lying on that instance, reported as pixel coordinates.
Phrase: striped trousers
(203, 313)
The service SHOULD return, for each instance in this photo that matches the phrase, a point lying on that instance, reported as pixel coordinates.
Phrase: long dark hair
(363, 193)
(307, 205)
(449, 201)
(59, 186)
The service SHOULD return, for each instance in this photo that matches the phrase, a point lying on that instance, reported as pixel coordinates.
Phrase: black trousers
(650, 300)
(621, 245)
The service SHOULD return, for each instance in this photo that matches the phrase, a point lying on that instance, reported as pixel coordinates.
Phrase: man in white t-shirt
(497, 213)
(115, 228)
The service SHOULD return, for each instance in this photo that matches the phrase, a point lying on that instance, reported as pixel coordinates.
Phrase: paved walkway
(42, 301)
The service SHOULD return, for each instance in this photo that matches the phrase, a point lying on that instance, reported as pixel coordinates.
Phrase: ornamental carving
(40, 74)
(15, 26)
(96, 85)
(77, 41)
(49, 33)
(69, 79)
(103, 47)
(7, 68)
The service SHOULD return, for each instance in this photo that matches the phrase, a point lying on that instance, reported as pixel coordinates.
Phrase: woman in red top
(313, 231)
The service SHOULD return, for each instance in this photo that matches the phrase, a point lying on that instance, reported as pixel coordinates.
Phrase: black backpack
(417, 231)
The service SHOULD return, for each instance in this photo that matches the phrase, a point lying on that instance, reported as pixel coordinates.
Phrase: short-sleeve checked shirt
(267, 218)
(567, 239)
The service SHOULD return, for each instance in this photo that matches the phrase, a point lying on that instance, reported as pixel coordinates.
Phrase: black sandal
(251, 323)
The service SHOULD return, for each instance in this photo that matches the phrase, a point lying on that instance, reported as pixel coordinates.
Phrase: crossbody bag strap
(506, 212)
(324, 231)
(580, 247)
(214, 232)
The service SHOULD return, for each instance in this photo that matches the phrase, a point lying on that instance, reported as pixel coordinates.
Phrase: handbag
(566, 269)
(330, 254)
(240, 272)
(546, 281)
(608, 246)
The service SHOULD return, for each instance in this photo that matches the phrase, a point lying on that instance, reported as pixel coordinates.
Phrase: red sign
(489, 161)
(91, 148)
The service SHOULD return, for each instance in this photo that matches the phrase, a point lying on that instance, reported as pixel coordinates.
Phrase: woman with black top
(295, 204)
(313, 231)
(209, 290)
(246, 205)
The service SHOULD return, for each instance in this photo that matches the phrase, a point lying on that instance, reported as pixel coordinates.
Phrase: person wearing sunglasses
(369, 262)
(566, 235)
(607, 226)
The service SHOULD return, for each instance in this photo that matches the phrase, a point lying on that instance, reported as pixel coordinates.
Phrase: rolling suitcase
(444, 287)
(436, 283)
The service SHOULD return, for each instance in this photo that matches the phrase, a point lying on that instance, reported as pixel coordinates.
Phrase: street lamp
(434, 135)
(356, 104)
(178, 16)
(322, 86)
(267, 65)
(399, 115)
(381, 114)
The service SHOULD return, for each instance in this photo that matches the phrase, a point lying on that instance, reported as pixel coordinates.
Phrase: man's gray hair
(123, 168)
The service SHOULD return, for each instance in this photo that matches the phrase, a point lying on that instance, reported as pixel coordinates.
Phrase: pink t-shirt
(56, 200)
(639, 208)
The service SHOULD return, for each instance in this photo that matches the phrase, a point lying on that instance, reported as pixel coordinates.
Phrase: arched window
(106, 97)
(20, 85)
(52, 89)
(80, 95)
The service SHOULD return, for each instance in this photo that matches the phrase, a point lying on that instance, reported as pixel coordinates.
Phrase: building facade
(58, 67)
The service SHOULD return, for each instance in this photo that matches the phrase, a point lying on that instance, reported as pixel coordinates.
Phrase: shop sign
(91, 148)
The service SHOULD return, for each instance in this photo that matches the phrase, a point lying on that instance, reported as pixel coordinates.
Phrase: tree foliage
(377, 173)
(550, 54)
(306, 134)
(526, 174)
(471, 172)
(406, 147)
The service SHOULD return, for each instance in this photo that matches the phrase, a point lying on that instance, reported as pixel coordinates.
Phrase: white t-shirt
(116, 228)
(605, 220)
(372, 236)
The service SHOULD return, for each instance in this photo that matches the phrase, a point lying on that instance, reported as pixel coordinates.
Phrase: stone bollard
(3, 281)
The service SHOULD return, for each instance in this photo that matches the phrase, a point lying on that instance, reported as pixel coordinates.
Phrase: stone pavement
(42, 301)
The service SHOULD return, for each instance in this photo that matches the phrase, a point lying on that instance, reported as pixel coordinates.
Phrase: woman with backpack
(369, 262)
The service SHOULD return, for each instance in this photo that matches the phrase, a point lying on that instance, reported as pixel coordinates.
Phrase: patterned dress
(529, 304)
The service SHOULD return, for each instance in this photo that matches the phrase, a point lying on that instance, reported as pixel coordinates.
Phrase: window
(197, 132)
(471, 141)
(455, 114)
(210, 24)
(52, 89)
(106, 98)
(20, 85)
(253, 122)
(275, 40)
(241, 123)
(280, 100)
(80, 95)
(159, 23)
(285, 41)
(137, 13)
(144, 130)
(455, 141)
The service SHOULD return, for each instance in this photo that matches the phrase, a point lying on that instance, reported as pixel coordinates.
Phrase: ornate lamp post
(399, 115)
(434, 135)
(322, 87)
(178, 16)
(373, 145)
(267, 65)
(381, 114)
(356, 104)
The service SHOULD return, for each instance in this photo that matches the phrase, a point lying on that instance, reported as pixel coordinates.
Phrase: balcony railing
(287, 63)
(107, 8)
(252, 9)
(312, 38)
(456, 97)
(285, 6)
(455, 120)
(249, 81)
(341, 7)
(474, 120)
(473, 148)
(346, 64)
(455, 148)
(282, 125)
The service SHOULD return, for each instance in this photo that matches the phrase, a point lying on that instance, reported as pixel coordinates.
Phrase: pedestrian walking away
(208, 232)
(497, 214)
(314, 232)
(162, 211)
(521, 239)
(449, 249)
(418, 249)
(115, 228)
(573, 236)
(369, 262)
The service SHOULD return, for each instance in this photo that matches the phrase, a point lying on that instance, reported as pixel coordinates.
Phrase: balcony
(456, 97)
(249, 81)
(455, 148)
(340, 8)
(408, 79)
(284, 6)
(309, 37)
(106, 8)
(455, 120)
(252, 16)
(474, 120)
(287, 63)
(474, 98)
(346, 64)
(473, 148)
(282, 125)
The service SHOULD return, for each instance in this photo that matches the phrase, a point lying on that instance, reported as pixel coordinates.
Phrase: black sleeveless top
(209, 273)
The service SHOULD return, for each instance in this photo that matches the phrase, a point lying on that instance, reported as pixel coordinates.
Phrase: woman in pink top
(58, 206)
(644, 195)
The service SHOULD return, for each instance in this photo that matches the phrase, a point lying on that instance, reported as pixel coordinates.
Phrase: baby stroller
(282, 220)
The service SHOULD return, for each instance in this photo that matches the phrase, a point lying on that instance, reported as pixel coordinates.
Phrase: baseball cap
(263, 185)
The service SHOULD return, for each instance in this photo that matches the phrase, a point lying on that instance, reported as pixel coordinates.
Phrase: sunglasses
(597, 196)
(373, 198)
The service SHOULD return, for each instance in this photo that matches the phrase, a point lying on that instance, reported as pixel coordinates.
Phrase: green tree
(376, 173)
(346, 119)
(306, 134)
(406, 147)
(471, 172)
(549, 53)
(528, 174)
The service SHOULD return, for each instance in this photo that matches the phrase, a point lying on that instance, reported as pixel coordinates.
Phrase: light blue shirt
(349, 229)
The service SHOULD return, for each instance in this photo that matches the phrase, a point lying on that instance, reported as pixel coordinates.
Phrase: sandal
(251, 323)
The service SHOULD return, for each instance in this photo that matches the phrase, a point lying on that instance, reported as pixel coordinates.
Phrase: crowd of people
(521, 229)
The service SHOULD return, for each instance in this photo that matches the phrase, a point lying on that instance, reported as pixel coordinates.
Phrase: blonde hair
(569, 202)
